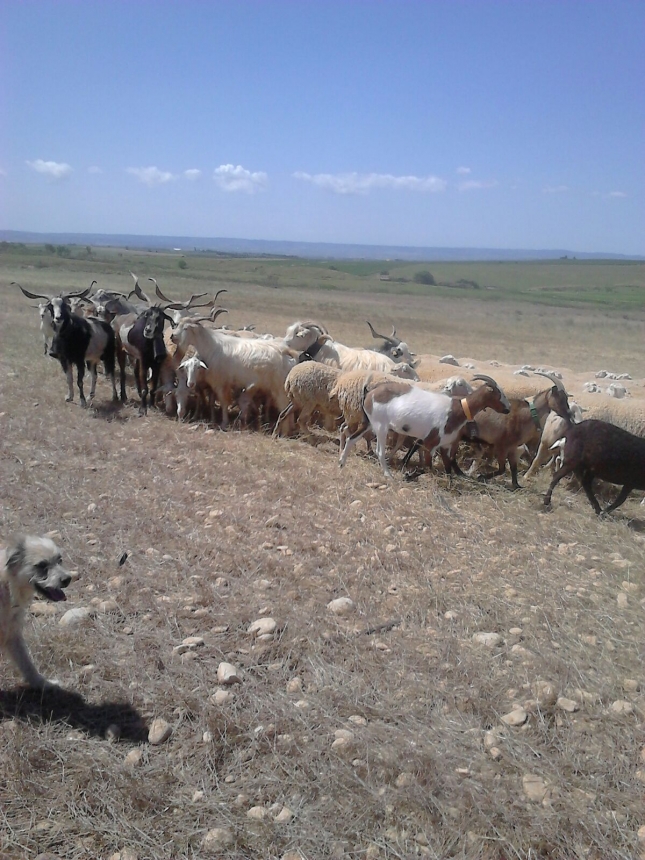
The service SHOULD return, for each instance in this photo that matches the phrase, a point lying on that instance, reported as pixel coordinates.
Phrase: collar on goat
(534, 415)
(466, 408)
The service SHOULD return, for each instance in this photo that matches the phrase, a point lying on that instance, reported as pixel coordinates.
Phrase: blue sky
(512, 124)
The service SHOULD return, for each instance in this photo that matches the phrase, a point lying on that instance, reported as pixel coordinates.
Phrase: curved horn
(30, 295)
(375, 334)
(158, 291)
(488, 379)
(554, 379)
(216, 312)
(139, 292)
(92, 284)
(218, 293)
(81, 295)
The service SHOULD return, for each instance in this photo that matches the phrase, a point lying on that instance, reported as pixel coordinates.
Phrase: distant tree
(424, 277)
(50, 248)
(63, 251)
(182, 264)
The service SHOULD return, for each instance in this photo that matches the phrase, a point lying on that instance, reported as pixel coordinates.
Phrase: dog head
(36, 562)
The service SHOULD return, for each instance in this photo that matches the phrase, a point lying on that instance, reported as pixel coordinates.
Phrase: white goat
(192, 385)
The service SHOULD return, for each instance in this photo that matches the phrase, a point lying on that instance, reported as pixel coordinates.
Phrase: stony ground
(416, 669)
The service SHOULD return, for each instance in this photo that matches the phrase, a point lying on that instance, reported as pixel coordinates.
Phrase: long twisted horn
(158, 291)
(218, 293)
(30, 295)
(488, 379)
(216, 312)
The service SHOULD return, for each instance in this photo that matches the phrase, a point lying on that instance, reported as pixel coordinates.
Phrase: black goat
(597, 449)
(79, 341)
(141, 337)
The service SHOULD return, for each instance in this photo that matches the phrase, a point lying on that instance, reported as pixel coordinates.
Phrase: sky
(443, 123)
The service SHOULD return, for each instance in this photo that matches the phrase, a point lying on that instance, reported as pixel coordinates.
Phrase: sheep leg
(620, 498)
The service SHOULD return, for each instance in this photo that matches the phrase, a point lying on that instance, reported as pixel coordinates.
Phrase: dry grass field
(378, 733)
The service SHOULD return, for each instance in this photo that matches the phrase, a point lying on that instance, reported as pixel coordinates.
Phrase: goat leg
(620, 498)
(587, 483)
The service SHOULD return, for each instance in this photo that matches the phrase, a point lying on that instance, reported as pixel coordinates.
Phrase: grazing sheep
(350, 393)
(308, 387)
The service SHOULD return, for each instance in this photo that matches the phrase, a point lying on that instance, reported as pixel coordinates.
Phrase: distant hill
(316, 250)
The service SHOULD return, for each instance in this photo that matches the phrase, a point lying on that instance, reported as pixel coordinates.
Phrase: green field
(617, 286)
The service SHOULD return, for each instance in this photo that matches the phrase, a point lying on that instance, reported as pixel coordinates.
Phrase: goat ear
(15, 555)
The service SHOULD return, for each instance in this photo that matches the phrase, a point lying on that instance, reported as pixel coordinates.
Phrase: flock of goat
(195, 366)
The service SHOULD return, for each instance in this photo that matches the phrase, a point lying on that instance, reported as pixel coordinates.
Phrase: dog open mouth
(53, 594)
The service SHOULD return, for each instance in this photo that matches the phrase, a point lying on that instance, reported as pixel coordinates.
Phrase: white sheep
(349, 390)
(308, 387)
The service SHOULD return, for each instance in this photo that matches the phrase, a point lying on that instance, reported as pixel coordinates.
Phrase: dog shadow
(56, 704)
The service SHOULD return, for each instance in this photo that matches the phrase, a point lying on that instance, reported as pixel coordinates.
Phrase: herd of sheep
(191, 365)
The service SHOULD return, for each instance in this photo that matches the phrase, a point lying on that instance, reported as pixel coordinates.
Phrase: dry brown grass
(223, 528)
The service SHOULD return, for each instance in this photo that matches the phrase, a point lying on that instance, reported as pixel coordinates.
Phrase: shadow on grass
(55, 704)
(110, 410)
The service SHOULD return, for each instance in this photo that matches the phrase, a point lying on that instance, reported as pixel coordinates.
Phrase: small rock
(489, 640)
(284, 816)
(517, 717)
(631, 686)
(207, 737)
(404, 780)
(257, 813)
(159, 731)
(193, 641)
(294, 685)
(113, 732)
(621, 706)
(217, 838)
(535, 788)
(341, 606)
(108, 605)
(546, 694)
(567, 704)
(357, 720)
(450, 615)
(263, 627)
(40, 608)
(227, 674)
(220, 697)
(449, 359)
(77, 615)
(134, 758)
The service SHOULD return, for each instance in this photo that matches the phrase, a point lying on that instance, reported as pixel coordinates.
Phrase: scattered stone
(450, 615)
(159, 731)
(217, 838)
(294, 685)
(357, 720)
(567, 704)
(341, 606)
(404, 780)
(105, 606)
(227, 674)
(535, 788)
(449, 359)
(631, 686)
(77, 615)
(488, 640)
(207, 737)
(221, 697)
(284, 816)
(134, 758)
(40, 608)
(257, 813)
(621, 706)
(263, 627)
(546, 694)
(516, 717)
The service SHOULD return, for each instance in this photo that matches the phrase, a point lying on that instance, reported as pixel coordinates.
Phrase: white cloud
(192, 174)
(477, 184)
(230, 178)
(464, 171)
(617, 194)
(151, 176)
(52, 169)
(555, 189)
(363, 183)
